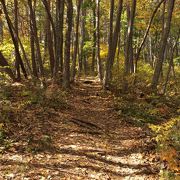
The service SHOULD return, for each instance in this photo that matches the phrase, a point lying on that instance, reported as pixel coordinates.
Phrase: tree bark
(165, 36)
(59, 36)
(76, 42)
(66, 71)
(146, 33)
(113, 40)
(94, 40)
(129, 45)
(32, 42)
(15, 42)
(99, 64)
(1, 27)
(50, 38)
(82, 59)
(36, 39)
(17, 64)
(107, 68)
(171, 64)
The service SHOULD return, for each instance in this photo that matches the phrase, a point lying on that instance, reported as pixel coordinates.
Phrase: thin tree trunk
(82, 54)
(13, 38)
(66, 71)
(1, 27)
(94, 41)
(17, 64)
(99, 64)
(113, 44)
(171, 65)
(47, 8)
(59, 36)
(118, 51)
(35, 33)
(129, 48)
(61, 19)
(146, 33)
(32, 42)
(107, 70)
(165, 36)
(50, 39)
(76, 42)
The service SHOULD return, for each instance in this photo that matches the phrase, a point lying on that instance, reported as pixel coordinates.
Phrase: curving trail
(89, 141)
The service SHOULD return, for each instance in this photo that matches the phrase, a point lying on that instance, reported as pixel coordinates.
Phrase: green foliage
(167, 175)
(88, 4)
(2, 133)
(177, 61)
(56, 99)
(37, 144)
(45, 98)
(87, 48)
(139, 113)
(7, 48)
(104, 51)
(6, 93)
(167, 136)
(6, 112)
(151, 108)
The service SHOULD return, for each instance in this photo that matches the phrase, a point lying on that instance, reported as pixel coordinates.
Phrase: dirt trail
(89, 141)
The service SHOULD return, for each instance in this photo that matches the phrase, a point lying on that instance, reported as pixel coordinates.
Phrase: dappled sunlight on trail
(88, 141)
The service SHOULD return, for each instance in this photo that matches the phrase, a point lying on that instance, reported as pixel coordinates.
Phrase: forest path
(88, 141)
(95, 143)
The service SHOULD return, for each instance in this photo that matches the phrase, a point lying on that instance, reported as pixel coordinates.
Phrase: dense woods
(130, 48)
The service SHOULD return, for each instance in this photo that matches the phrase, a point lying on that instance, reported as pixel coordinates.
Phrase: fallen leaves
(97, 145)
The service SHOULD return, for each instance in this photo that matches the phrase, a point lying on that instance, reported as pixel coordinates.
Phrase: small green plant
(6, 93)
(58, 100)
(139, 112)
(36, 144)
(6, 111)
(167, 136)
(51, 97)
(2, 133)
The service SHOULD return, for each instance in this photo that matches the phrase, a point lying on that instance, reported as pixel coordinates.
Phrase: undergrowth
(159, 113)
(17, 101)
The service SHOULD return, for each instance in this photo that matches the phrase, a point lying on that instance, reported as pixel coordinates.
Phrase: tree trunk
(66, 71)
(15, 42)
(99, 64)
(32, 42)
(129, 45)
(50, 39)
(17, 64)
(82, 25)
(94, 41)
(171, 64)
(61, 19)
(36, 39)
(146, 34)
(113, 40)
(165, 36)
(1, 27)
(76, 42)
(59, 36)
(51, 47)
(107, 70)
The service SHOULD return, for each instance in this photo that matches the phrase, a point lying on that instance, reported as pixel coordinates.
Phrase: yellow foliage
(170, 155)
(104, 51)
(1, 126)
(166, 135)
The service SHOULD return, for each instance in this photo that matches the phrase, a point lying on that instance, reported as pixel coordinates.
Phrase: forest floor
(87, 139)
